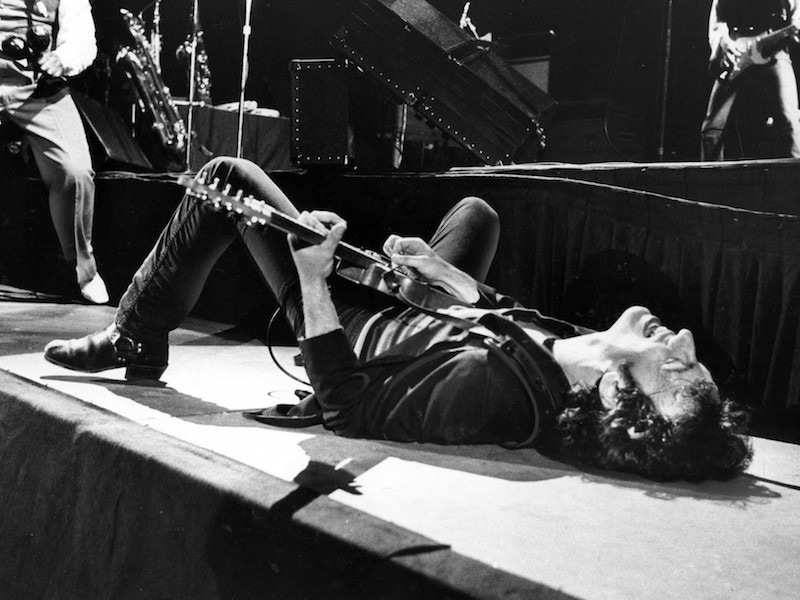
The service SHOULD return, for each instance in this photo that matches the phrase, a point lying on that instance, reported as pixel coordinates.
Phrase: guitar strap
(541, 377)
(539, 374)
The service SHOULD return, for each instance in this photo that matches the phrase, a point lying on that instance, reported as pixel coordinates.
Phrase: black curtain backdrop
(609, 52)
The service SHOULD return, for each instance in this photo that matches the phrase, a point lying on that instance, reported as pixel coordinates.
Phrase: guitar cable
(272, 353)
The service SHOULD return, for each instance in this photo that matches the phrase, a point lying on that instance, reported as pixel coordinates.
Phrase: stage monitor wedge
(451, 79)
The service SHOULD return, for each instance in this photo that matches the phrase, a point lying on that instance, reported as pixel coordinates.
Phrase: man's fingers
(51, 64)
(327, 223)
(337, 231)
(389, 244)
(410, 246)
(309, 219)
(406, 260)
(327, 217)
(321, 220)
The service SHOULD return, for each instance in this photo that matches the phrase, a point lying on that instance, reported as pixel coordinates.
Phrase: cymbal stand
(665, 81)
(192, 83)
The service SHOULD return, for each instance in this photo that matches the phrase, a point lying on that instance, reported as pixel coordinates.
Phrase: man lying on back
(486, 370)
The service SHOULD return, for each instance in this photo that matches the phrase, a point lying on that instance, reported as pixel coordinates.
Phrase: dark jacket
(455, 391)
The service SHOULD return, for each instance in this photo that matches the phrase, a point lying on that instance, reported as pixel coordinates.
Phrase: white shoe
(95, 291)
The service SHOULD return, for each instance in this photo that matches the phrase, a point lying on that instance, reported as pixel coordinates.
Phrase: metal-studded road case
(319, 109)
(451, 79)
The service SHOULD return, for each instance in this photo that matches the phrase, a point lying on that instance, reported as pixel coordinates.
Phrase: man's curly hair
(707, 443)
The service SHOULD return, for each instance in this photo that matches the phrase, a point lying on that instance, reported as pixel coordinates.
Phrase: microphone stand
(245, 67)
(665, 82)
(192, 84)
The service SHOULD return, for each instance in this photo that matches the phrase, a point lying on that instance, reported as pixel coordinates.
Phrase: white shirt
(76, 45)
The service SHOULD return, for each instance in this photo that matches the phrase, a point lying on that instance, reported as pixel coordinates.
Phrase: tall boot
(111, 348)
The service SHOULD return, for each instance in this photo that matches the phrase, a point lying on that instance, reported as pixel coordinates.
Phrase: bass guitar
(752, 51)
(364, 267)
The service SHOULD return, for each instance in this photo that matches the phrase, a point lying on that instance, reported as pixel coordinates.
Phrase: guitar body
(383, 278)
(750, 55)
(751, 50)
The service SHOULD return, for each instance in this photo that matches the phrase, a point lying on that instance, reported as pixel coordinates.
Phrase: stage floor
(585, 534)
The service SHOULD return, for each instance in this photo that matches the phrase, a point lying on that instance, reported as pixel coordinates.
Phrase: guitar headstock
(257, 212)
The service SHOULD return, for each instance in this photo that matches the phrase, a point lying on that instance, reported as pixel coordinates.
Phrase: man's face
(661, 361)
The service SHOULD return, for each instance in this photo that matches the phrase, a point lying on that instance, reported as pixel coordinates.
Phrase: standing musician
(744, 56)
(484, 370)
(42, 42)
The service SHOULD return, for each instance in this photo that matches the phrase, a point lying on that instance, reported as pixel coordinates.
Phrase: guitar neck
(371, 269)
(262, 213)
(770, 39)
(345, 251)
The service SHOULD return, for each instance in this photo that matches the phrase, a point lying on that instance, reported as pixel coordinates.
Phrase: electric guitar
(752, 50)
(364, 267)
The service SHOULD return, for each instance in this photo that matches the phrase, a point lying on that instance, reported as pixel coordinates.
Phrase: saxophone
(154, 96)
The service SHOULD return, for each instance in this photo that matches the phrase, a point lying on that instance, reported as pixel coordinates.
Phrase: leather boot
(110, 348)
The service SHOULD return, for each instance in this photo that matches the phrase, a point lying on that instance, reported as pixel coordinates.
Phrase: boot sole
(132, 372)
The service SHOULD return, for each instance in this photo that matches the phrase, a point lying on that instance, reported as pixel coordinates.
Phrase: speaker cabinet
(578, 133)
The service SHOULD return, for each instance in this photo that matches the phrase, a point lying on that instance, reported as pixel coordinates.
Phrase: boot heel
(144, 372)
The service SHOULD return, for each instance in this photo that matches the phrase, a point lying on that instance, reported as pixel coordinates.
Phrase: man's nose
(683, 344)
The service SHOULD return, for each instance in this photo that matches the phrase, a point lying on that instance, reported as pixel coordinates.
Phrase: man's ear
(608, 388)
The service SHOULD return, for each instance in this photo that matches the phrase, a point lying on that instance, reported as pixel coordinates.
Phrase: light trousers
(777, 87)
(54, 130)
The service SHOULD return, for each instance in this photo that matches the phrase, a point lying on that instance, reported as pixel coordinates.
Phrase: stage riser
(765, 186)
(97, 506)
